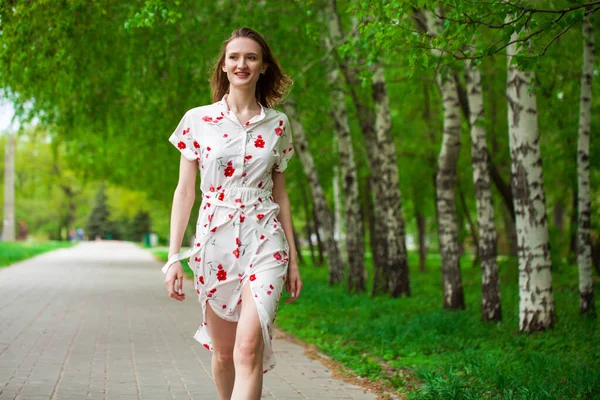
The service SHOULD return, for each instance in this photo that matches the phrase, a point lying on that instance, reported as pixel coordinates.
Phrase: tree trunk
(487, 243)
(317, 231)
(298, 247)
(308, 215)
(536, 302)
(377, 154)
(336, 267)
(391, 203)
(446, 183)
(354, 226)
(584, 240)
(8, 226)
(337, 214)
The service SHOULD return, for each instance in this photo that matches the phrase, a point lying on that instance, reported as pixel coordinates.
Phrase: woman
(243, 252)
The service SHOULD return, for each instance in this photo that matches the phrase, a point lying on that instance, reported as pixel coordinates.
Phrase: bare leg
(248, 351)
(222, 334)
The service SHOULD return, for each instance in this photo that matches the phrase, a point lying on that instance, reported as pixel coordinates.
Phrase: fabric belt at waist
(238, 206)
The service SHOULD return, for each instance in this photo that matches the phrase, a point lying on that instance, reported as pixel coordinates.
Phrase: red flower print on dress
(277, 256)
(206, 345)
(198, 259)
(201, 279)
(280, 122)
(259, 142)
(229, 170)
(196, 144)
(224, 306)
(252, 278)
(238, 241)
(260, 184)
(221, 274)
(181, 145)
(236, 253)
(221, 196)
(260, 216)
(186, 131)
(262, 237)
(207, 119)
(242, 218)
(278, 131)
(214, 229)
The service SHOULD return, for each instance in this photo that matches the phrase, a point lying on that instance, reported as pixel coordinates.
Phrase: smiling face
(243, 62)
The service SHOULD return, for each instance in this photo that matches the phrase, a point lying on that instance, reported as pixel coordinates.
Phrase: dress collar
(227, 111)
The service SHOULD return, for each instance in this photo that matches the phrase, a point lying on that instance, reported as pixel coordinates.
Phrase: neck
(240, 100)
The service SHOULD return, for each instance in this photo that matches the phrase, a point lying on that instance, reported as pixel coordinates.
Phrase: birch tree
(584, 241)
(390, 258)
(445, 182)
(334, 260)
(536, 302)
(354, 227)
(487, 238)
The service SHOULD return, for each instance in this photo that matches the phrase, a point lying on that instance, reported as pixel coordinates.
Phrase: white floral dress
(238, 236)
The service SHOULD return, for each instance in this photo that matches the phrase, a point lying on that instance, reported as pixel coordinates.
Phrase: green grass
(12, 252)
(452, 354)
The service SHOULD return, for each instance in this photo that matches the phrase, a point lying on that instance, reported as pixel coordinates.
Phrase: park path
(94, 322)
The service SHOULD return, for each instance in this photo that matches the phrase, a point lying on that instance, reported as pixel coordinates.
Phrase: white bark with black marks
(445, 183)
(391, 270)
(584, 240)
(536, 301)
(336, 266)
(391, 202)
(354, 227)
(487, 241)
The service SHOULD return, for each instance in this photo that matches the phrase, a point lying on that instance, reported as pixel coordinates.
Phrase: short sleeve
(184, 138)
(285, 145)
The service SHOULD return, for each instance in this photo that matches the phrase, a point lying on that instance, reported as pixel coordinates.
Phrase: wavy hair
(270, 87)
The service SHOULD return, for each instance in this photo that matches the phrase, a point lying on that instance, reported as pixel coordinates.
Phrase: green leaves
(153, 11)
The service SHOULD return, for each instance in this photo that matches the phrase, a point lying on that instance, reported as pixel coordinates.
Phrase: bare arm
(293, 283)
(183, 201)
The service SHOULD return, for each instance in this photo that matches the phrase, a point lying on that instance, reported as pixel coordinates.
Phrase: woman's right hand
(174, 281)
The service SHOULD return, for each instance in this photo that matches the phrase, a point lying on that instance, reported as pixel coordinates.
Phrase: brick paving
(94, 322)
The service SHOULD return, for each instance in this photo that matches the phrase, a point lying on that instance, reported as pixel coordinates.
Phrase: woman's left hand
(293, 283)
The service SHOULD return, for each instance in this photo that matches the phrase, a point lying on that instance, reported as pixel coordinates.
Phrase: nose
(242, 63)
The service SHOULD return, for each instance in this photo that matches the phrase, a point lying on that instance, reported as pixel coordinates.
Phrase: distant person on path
(243, 252)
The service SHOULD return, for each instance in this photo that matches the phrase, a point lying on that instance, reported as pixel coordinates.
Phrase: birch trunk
(445, 184)
(584, 240)
(391, 203)
(386, 280)
(487, 243)
(334, 261)
(536, 302)
(8, 226)
(354, 227)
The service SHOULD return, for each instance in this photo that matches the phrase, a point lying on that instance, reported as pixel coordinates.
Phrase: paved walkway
(94, 322)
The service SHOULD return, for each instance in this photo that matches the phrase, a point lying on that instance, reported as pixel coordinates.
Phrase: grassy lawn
(10, 253)
(452, 354)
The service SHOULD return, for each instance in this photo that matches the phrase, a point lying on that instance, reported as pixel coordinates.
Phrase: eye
(252, 57)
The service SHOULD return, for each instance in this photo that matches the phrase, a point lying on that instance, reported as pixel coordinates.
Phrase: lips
(242, 74)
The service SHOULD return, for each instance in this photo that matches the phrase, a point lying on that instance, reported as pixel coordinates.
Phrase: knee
(248, 352)
(223, 357)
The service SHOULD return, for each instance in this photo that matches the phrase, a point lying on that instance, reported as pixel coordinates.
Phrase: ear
(265, 66)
